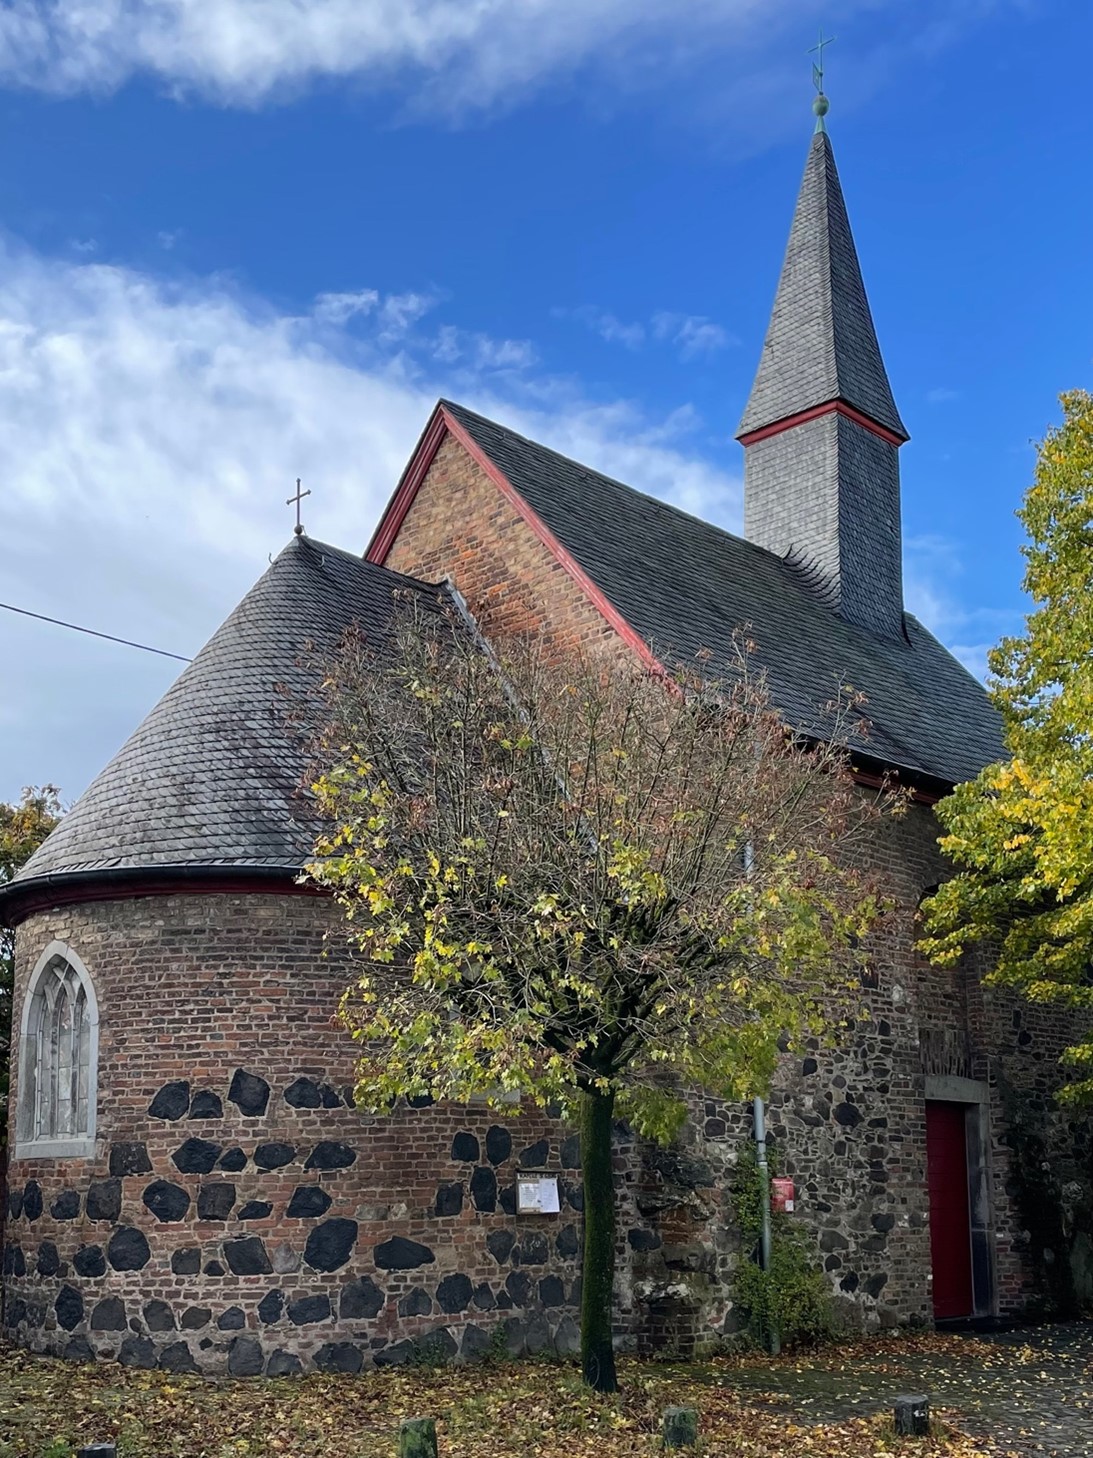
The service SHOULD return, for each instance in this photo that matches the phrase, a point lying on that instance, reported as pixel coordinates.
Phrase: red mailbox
(781, 1195)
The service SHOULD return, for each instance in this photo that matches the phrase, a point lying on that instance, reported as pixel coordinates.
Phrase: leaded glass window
(57, 1094)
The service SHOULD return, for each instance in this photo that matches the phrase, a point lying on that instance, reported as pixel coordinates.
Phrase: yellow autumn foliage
(1021, 835)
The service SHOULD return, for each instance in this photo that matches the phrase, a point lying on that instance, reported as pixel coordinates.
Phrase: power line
(93, 632)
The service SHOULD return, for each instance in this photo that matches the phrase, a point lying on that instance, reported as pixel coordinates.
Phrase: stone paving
(1027, 1392)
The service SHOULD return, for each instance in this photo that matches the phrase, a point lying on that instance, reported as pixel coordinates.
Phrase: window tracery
(57, 1091)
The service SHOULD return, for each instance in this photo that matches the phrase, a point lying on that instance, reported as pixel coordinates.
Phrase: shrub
(793, 1296)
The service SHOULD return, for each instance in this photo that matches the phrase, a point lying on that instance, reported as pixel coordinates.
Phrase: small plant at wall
(429, 1351)
(793, 1296)
(598, 883)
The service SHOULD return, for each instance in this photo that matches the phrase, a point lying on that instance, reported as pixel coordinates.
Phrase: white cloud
(941, 395)
(692, 334)
(340, 308)
(502, 354)
(398, 312)
(606, 325)
(447, 55)
(393, 314)
(660, 457)
(931, 567)
(614, 331)
(470, 350)
(150, 433)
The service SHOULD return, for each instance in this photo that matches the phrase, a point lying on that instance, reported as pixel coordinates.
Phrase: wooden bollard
(912, 1416)
(680, 1427)
(417, 1438)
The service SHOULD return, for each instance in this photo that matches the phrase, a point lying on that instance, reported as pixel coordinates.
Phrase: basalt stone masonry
(294, 1232)
(239, 1214)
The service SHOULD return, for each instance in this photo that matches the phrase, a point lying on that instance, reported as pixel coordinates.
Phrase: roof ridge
(684, 584)
(794, 577)
(657, 501)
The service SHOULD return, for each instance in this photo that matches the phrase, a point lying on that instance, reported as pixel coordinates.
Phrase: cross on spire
(818, 64)
(821, 104)
(298, 529)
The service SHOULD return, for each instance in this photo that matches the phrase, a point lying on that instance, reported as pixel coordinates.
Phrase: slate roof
(821, 344)
(212, 776)
(685, 585)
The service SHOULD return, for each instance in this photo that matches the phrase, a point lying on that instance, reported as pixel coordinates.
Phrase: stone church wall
(238, 1215)
(846, 1120)
(849, 1120)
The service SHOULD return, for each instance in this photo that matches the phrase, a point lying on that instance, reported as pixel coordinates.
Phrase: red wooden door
(950, 1222)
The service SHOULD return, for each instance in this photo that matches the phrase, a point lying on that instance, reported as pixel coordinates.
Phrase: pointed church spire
(821, 430)
(821, 344)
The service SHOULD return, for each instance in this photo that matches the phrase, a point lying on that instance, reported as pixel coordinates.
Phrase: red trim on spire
(830, 407)
(444, 423)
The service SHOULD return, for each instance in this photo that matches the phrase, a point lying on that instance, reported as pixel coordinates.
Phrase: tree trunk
(598, 1283)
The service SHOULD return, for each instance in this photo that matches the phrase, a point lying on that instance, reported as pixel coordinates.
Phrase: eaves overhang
(20, 899)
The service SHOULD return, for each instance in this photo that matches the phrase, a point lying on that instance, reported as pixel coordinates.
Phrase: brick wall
(256, 1230)
(461, 525)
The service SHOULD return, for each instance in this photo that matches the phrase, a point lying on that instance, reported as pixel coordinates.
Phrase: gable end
(442, 426)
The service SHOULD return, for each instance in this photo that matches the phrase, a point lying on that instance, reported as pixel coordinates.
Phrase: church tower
(821, 432)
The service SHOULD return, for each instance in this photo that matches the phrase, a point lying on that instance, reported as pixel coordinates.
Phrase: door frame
(974, 1094)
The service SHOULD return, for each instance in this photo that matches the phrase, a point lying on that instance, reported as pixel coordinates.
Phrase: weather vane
(821, 104)
(298, 529)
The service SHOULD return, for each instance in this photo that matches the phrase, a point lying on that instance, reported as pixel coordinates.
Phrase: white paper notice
(537, 1195)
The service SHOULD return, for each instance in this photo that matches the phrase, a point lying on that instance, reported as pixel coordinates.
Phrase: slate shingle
(685, 586)
(213, 775)
(821, 344)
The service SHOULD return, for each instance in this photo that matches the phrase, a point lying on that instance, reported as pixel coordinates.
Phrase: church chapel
(190, 1185)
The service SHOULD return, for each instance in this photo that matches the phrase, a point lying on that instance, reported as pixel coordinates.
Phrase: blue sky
(245, 240)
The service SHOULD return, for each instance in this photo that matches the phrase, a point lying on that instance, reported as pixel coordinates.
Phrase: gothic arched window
(58, 1066)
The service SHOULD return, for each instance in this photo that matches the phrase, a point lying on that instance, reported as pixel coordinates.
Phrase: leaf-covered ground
(1031, 1390)
(527, 1410)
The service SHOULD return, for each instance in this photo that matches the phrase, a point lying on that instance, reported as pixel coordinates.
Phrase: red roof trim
(893, 781)
(25, 898)
(383, 538)
(830, 407)
(569, 564)
(444, 423)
